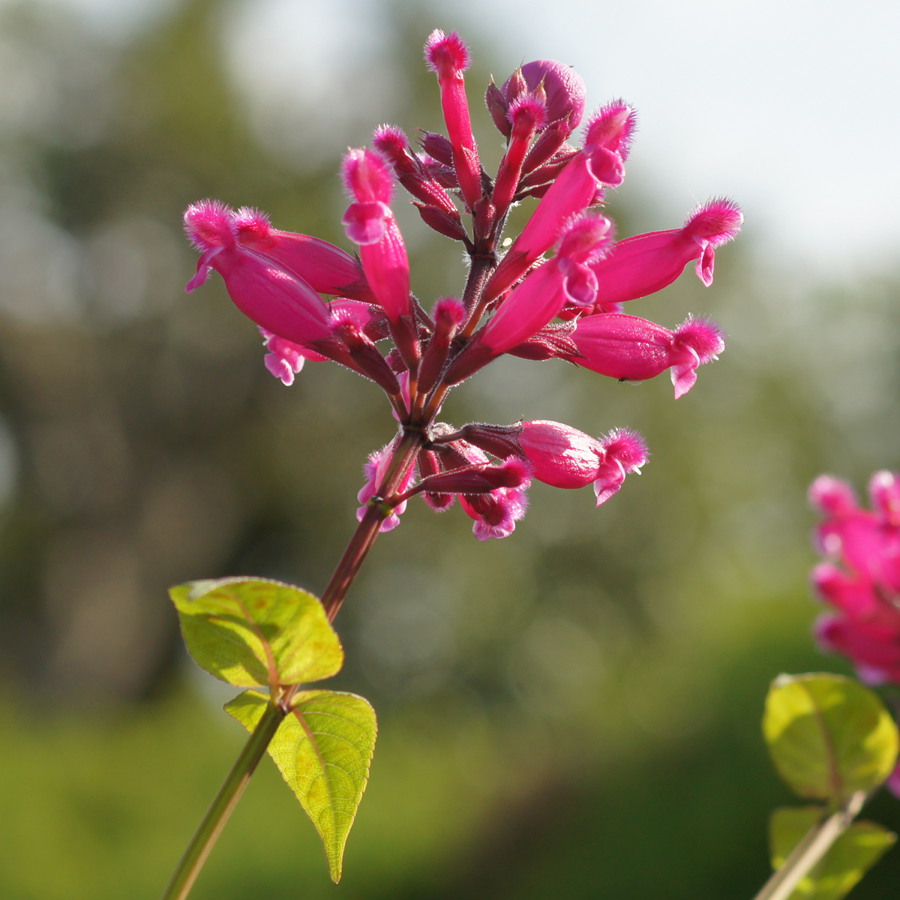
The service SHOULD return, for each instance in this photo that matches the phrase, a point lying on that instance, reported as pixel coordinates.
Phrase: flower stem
(344, 575)
(370, 524)
(810, 849)
(223, 805)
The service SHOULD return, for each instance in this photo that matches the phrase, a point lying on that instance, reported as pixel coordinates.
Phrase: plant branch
(810, 849)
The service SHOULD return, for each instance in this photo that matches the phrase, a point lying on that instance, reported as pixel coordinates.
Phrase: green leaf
(845, 863)
(253, 632)
(323, 751)
(829, 736)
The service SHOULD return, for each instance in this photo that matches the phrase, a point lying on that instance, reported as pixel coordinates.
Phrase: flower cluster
(861, 577)
(557, 291)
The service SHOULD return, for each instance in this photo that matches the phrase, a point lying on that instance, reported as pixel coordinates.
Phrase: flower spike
(556, 292)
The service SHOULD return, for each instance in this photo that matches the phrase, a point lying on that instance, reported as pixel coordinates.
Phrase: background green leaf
(829, 736)
(849, 858)
(254, 632)
(323, 751)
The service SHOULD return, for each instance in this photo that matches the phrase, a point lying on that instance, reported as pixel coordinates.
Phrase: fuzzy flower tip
(446, 53)
(625, 451)
(209, 224)
(612, 128)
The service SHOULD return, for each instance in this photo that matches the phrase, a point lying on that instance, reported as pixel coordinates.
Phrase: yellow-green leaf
(829, 736)
(846, 861)
(253, 632)
(323, 751)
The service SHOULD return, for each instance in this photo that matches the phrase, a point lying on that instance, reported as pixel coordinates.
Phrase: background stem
(810, 850)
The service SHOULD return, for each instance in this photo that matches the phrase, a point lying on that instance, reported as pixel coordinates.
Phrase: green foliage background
(571, 712)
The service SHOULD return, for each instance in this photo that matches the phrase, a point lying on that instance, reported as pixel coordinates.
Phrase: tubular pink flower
(633, 349)
(448, 56)
(567, 277)
(270, 294)
(413, 174)
(646, 263)
(576, 187)
(612, 130)
(560, 455)
(327, 268)
(527, 115)
(370, 223)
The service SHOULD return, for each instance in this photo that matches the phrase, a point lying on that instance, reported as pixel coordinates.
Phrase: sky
(791, 107)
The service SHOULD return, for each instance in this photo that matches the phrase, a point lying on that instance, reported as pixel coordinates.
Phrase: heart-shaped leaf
(323, 750)
(253, 632)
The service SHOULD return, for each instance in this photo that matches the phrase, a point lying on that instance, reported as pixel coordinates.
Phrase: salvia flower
(553, 294)
(646, 263)
(633, 349)
(860, 577)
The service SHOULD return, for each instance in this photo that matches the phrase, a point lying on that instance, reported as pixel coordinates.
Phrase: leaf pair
(832, 740)
(257, 633)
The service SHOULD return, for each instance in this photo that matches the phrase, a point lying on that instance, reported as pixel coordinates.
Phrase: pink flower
(375, 469)
(327, 268)
(564, 457)
(266, 291)
(575, 188)
(566, 278)
(496, 513)
(861, 578)
(370, 223)
(284, 358)
(633, 349)
(448, 56)
(646, 263)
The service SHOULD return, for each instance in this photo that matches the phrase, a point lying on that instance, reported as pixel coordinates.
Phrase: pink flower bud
(560, 455)
(563, 87)
(371, 224)
(574, 189)
(412, 173)
(633, 349)
(448, 56)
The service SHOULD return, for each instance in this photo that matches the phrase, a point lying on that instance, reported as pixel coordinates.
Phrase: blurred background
(573, 711)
